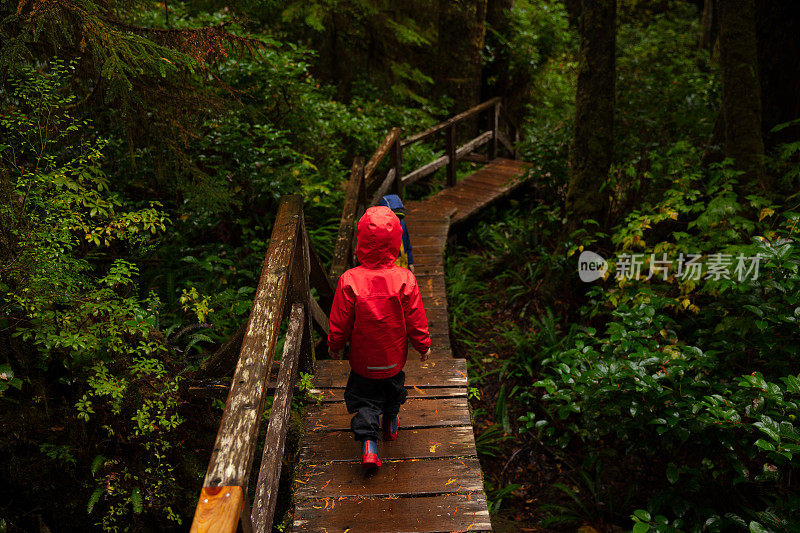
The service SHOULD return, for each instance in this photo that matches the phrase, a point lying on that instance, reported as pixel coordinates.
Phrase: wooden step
(423, 477)
(441, 373)
(337, 395)
(445, 512)
(423, 443)
(416, 413)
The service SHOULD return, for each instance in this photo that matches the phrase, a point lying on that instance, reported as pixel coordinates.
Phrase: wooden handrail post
(342, 250)
(494, 120)
(397, 163)
(225, 485)
(452, 163)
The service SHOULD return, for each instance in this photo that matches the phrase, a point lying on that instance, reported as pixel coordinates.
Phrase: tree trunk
(741, 91)
(709, 25)
(462, 29)
(593, 143)
(777, 30)
(497, 79)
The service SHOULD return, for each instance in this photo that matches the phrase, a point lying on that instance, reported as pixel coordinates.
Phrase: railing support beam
(397, 163)
(494, 119)
(271, 459)
(450, 152)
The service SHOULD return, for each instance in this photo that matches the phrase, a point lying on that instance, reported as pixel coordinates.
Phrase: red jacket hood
(379, 236)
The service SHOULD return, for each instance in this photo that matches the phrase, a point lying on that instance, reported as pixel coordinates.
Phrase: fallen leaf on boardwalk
(433, 448)
(451, 480)
(420, 390)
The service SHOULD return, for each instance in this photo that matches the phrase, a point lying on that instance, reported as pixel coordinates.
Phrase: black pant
(368, 398)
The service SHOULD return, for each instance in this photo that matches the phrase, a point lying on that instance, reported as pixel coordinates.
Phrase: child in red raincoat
(378, 308)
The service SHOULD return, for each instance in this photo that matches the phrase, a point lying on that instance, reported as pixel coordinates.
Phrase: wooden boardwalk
(431, 479)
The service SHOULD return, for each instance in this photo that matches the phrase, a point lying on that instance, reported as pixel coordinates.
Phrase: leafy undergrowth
(662, 403)
(524, 478)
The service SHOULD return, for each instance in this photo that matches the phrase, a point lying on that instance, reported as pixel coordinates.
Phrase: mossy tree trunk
(593, 142)
(741, 91)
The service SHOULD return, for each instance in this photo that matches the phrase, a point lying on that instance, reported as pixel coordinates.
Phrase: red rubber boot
(369, 454)
(390, 427)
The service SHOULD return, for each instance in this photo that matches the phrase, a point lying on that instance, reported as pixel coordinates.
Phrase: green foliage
(496, 496)
(686, 389)
(344, 26)
(677, 100)
(539, 32)
(69, 296)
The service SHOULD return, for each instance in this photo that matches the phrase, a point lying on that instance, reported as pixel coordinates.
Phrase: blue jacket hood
(393, 202)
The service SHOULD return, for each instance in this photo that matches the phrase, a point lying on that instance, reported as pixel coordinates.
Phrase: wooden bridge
(431, 479)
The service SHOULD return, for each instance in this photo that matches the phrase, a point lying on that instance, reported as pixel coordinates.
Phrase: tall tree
(462, 29)
(593, 142)
(741, 90)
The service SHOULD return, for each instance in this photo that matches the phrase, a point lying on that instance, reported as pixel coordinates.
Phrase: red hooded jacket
(377, 305)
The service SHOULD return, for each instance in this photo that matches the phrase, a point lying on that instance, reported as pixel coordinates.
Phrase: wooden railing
(291, 268)
(366, 188)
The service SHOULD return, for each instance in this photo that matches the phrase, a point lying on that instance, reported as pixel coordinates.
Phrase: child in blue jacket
(406, 257)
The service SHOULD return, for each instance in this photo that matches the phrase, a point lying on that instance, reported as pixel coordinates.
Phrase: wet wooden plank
(429, 268)
(446, 373)
(470, 194)
(337, 395)
(492, 178)
(443, 351)
(436, 311)
(434, 302)
(423, 443)
(482, 190)
(439, 320)
(414, 413)
(425, 240)
(432, 287)
(431, 514)
(394, 478)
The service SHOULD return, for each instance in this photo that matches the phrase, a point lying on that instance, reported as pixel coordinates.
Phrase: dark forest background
(144, 147)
